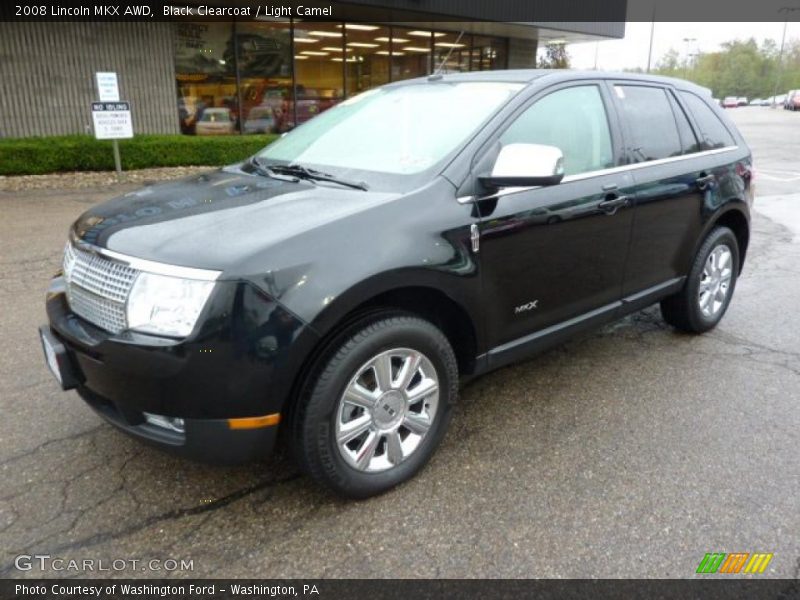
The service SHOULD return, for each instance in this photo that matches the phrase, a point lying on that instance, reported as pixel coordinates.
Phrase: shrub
(37, 155)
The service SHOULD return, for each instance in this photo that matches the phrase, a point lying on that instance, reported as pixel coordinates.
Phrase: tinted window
(712, 131)
(574, 120)
(652, 131)
(688, 139)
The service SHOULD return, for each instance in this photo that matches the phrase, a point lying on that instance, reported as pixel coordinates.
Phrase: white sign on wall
(112, 120)
(107, 87)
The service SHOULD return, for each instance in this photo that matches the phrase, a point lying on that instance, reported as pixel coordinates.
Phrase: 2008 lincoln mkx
(339, 285)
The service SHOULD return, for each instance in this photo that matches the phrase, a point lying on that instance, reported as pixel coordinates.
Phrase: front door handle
(705, 180)
(612, 203)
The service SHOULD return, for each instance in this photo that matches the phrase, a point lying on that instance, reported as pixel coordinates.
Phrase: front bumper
(205, 440)
(236, 369)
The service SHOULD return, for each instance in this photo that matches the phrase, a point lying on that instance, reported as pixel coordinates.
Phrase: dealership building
(252, 75)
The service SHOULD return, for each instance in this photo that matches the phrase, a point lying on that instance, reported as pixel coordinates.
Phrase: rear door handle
(705, 180)
(612, 203)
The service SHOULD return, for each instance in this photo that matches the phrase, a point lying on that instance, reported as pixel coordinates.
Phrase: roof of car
(531, 75)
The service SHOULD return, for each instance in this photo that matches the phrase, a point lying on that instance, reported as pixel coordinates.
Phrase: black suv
(340, 284)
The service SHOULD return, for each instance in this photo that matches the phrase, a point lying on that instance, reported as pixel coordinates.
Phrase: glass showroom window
(489, 53)
(451, 52)
(366, 56)
(411, 52)
(265, 74)
(206, 78)
(319, 80)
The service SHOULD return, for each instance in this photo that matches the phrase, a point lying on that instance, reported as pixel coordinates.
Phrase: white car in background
(260, 119)
(215, 121)
(730, 102)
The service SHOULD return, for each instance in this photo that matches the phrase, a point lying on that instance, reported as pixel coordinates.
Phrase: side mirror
(526, 165)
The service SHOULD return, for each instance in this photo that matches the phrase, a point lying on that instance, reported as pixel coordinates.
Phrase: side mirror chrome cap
(526, 165)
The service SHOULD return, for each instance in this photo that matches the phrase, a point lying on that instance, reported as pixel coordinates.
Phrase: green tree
(739, 68)
(556, 57)
(669, 63)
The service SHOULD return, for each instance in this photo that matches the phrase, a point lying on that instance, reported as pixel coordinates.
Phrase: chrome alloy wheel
(715, 281)
(387, 410)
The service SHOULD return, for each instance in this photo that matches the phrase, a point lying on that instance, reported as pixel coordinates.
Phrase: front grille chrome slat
(97, 288)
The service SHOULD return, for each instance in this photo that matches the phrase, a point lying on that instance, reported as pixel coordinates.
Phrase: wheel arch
(735, 216)
(737, 221)
(428, 302)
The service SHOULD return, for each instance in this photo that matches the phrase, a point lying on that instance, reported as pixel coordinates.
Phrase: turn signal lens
(254, 422)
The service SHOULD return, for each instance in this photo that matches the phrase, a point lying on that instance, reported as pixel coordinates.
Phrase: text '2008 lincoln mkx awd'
(340, 284)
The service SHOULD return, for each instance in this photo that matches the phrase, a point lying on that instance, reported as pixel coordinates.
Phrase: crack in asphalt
(43, 445)
(170, 515)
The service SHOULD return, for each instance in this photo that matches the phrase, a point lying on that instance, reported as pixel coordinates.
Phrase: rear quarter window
(712, 131)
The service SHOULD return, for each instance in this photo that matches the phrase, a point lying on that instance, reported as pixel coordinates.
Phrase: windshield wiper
(314, 175)
(266, 171)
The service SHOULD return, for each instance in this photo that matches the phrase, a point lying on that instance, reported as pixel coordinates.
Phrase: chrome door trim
(601, 172)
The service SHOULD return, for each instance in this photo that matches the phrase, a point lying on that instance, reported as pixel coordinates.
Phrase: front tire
(708, 290)
(377, 406)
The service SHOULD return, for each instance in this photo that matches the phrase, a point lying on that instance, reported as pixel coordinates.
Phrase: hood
(218, 219)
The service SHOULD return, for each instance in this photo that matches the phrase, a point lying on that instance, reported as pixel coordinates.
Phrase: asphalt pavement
(628, 452)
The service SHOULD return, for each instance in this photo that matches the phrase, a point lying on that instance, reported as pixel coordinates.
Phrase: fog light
(171, 423)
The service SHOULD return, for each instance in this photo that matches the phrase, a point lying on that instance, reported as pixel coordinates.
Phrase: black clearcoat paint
(297, 257)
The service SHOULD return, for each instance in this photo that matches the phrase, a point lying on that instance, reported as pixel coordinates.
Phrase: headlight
(166, 305)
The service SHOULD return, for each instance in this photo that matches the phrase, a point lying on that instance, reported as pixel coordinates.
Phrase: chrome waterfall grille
(97, 288)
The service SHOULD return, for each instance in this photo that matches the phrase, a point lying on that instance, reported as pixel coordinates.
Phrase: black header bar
(528, 12)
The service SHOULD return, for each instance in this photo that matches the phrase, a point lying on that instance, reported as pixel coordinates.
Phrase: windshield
(215, 115)
(399, 130)
(260, 113)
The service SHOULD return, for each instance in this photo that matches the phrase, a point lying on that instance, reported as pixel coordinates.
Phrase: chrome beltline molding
(609, 171)
(147, 266)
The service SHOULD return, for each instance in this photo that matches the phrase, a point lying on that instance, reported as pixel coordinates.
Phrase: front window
(573, 120)
(403, 130)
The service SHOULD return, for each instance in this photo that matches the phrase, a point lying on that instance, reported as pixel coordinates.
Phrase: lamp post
(780, 66)
(689, 55)
(652, 32)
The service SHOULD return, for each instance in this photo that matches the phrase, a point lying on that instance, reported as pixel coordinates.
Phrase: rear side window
(713, 132)
(688, 139)
(652, 131)
(572, 119)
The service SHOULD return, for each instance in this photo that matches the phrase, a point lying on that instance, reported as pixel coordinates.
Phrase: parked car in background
(793, 101)
(342, 283)
(756, 102)
(215, 121)
(260, 119)
(742, 101)
(730, 102)
(779, 99)
(309, 102)
(787, 100)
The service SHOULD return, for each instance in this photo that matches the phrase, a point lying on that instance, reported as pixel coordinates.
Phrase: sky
(631, 52)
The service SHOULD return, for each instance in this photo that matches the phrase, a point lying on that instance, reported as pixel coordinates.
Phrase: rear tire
(377, 405)
(708, 290)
